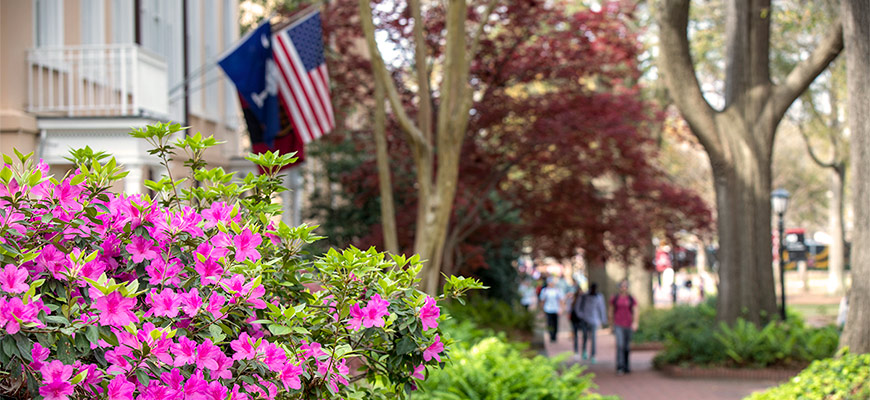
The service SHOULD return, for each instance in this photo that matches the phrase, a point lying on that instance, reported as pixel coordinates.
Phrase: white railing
(96, 81)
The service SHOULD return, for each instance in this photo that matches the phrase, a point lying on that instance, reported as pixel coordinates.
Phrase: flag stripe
(323, 93)
(295, 113)
(303, 79)
(304, 84)
(302, 105)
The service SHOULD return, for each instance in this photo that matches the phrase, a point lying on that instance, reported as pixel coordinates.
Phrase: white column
(133, 180)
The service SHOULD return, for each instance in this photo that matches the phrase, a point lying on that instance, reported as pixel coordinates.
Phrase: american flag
(303, 84)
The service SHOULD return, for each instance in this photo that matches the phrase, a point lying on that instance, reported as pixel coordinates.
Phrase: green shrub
(497, 315)
(830, 379)
(689, 339)
(494, 369)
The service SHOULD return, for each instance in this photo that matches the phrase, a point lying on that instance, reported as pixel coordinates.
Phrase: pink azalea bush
(197, 294)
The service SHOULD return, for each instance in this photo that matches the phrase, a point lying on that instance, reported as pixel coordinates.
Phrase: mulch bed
(647, 346)
(773, 374)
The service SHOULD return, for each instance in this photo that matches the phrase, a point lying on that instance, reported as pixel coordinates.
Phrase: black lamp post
(779, 203)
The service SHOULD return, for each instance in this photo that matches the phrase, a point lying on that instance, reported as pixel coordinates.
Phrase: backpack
(575, 318)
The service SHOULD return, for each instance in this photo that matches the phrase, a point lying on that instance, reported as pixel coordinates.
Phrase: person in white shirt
(551, 298)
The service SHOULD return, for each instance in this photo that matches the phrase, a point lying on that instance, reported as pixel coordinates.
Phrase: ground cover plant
(485, 365)
(689, 340)
(197, 293)
(842, 378)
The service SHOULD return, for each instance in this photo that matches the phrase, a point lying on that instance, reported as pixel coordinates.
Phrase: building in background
(84, 72)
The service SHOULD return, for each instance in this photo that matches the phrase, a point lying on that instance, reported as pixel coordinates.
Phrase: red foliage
(558, 147)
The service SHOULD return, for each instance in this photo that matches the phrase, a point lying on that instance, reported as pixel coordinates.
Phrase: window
(93, 22)
(210, 44)
(230, 30)
(123, 21)
(48, 24)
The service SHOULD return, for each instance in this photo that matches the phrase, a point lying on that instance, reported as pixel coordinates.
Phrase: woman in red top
(622, 308)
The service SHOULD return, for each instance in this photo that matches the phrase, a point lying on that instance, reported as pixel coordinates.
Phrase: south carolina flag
(303, 85)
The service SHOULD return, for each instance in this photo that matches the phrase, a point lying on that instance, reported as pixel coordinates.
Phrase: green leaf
(405, 346)
(80, 377)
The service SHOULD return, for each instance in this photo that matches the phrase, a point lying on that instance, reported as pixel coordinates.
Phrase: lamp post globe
(779, 204)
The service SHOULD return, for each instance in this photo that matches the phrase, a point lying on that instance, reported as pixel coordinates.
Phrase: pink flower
(118, 360)
(116, 310)
(356, 317)
(120, 389)
(59, 390)
(191, 302)
(216, 391)
(185, 351)
(433, 350)
(160, 272)
(13, 279)
(53, 260)
(238, 395)
(246, 245)
(235, 285)
(244, 348)
(207, 355)
(273, 356)
(67, 195)
(374, 312)
(223, 370)
(429, 314)
(56, 371)
(418, 372)
(219, 212)
(311, 350)
(195, 387)
(141, 249)
(15, 308)
(290, 376)
(215, 302)
(209, 270)
(164, 304)
(39, 354)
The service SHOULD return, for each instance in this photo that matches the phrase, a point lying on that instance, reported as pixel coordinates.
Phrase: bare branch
(679, 74)
(806, 71)
(478, 33)
(424, 116)
(812, 152)
(379, 69)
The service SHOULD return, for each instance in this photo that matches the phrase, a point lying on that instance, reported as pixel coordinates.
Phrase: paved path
(645, 383)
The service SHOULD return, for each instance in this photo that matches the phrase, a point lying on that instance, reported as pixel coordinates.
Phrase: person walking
(551, 298)
(593, 312)
(575, 311)
(622, 309)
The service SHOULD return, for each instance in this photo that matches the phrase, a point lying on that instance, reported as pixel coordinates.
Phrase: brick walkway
(645, 383)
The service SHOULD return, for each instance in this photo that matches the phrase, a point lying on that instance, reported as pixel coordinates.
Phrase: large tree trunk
(739, 139)
(856, 21)
(837, 249)
(743, 201)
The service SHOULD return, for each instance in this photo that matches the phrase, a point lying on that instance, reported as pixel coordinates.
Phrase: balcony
(122, 80)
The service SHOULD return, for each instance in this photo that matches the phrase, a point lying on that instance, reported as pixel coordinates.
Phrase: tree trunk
(597, 273)
(856, 21)
(388, 213)
(640, 281)
(837, 249)
(746, 287)
(739, 139)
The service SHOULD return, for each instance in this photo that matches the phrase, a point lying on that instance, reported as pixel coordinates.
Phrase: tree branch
(812, 152)
(478, 33)
(413, 133)
(679, 73)
(424, 117)
(806, 71)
